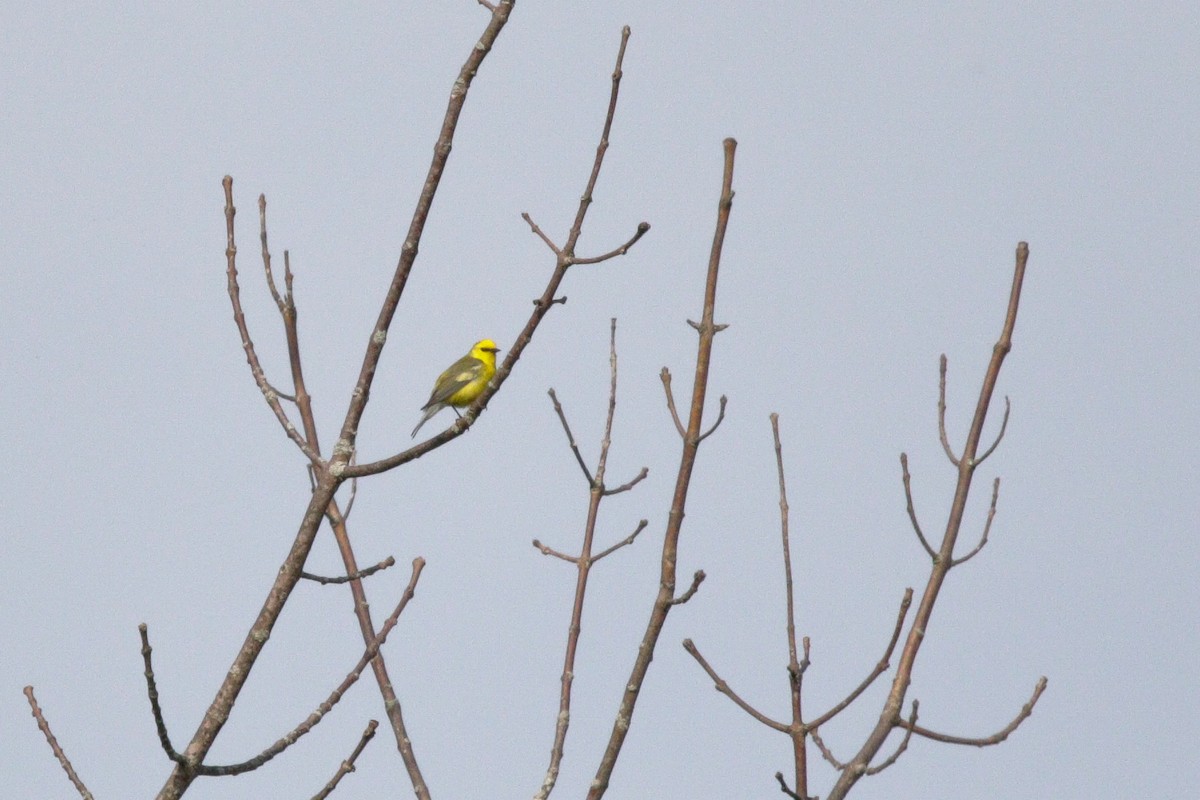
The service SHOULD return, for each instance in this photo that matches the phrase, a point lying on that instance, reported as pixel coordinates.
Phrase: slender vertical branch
(663, 602)
(795, 673)
(583, 565)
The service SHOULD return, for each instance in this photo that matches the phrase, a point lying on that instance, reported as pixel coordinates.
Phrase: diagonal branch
(942, 412)
(347, 766)
(999, 436)
(723, 687)
(879, 669)
(63, 761)
(908, 726)
(562, 417)
(628, 540)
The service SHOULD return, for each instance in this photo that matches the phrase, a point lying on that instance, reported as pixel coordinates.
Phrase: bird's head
(485, 349)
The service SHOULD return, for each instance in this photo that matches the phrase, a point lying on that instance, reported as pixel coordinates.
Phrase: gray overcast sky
(890, 159)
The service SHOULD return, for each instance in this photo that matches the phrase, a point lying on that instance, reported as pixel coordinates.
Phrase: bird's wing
(461, 372)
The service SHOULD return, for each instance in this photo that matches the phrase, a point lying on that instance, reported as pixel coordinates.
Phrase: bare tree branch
(987, 526)
(160, 725)
(628, 540)
(347, 766)
(562, 417)
(722, 686)
(63, 761)
(985, 741)
(912, 514)
(941, 565)
(665, 598)
(912, 720)
(390, 561)
(335, 696)
(942, 412)
(999, 436)
(697, 579)
(642, 228)
(879, 669)
(666, 381)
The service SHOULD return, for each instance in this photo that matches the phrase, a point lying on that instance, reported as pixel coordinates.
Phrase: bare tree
(329, 473)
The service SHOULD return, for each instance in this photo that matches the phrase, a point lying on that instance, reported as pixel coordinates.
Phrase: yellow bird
(463, 382)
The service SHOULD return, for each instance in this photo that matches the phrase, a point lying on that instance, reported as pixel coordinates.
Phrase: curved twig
(642, 228)
(347, 766)
(912, 514)
(995, 738)
(715, 425)
(987, 526)
(666, 382)
(723, 687)
(999, 436)
(912, 721)
(390, 561)
(562, 417)
(942, 412)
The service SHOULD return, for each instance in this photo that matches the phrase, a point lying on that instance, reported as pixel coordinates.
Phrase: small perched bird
(463, 382)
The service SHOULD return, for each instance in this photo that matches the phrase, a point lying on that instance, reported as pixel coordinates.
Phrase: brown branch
(63, 761)
(625, 487)
(641, 231)
(533, 226)
(550, 551)
(723, 687)
(562, 417)
(239, 318)
(335, 696)
(665, 598)
(908, 726)
(697, 579)
(720, 414)
(160, 724)
(628, 540)
(666, 382)
(347, 766)
(912, 513)
(795, 671)
(985, 741)
(987, 526)
(942, 412)
(1003, 427)
(583, 564)
(564, 258)
(880, 667)
(390, 561)
(783, 787)
(826, 753)
(348, 435)
(941, 565)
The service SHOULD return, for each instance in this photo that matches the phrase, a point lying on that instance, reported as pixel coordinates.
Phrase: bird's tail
(426, 417)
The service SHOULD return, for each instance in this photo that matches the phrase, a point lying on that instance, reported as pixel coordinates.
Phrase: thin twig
(666, 382)
(987, 526)
(999, 436)
(63, 761)
(642, 228)
(717, 424)
(995, 738)
(628, 540)
(625, 487)
(912, 721)
(160, 725)
(912, 513)
(795, 673)
(723, 687)
(362, 573)
(239, 319)
(697, 579)
(325, 707)
(879, 669)
(942, 412)
(783, 787)
(550, 551)
(347, 766)
(562, 417)
(826, 753)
